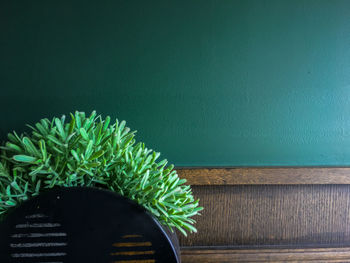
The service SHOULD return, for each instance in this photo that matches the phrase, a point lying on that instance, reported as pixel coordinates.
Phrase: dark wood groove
(211, 255)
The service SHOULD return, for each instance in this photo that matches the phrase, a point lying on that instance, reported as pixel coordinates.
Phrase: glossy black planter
(71, 225)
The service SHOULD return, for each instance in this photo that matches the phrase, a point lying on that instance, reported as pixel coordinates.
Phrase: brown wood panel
(195, 255)
(253, 215)
(266, 175)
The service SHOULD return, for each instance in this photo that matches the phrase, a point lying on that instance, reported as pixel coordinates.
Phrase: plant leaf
(24, 158)
(96, 155)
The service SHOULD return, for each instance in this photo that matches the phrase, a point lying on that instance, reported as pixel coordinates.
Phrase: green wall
(207, 83)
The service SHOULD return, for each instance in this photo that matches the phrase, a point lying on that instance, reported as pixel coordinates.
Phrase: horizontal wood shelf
(269, 214)
(210, 255)
(265, 175)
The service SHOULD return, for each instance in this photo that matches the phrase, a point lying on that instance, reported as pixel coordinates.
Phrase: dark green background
(207, 83)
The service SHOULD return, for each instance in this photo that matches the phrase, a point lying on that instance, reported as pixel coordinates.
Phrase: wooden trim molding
(212, 255)
(265, 175)
(306, 212)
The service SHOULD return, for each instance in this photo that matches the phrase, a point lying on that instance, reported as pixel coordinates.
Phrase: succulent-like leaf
(24, 158)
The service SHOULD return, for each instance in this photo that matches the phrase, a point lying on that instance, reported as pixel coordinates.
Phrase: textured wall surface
(207, 83)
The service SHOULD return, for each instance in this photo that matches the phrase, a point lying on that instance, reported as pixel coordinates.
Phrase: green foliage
(89, 151)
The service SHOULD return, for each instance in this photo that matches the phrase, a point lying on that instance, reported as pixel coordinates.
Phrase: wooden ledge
(265, 175)
(191, 255)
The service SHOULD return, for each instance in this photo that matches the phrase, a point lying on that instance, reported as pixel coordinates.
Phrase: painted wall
(207, 83)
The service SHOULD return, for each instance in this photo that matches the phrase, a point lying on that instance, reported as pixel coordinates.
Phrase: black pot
(85, 225)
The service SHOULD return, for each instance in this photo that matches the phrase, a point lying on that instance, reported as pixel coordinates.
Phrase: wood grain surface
(195, 255)
(253, 215)
(304, 210)
(265, 175)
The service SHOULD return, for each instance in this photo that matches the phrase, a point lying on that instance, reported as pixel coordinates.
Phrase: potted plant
(89, 151)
